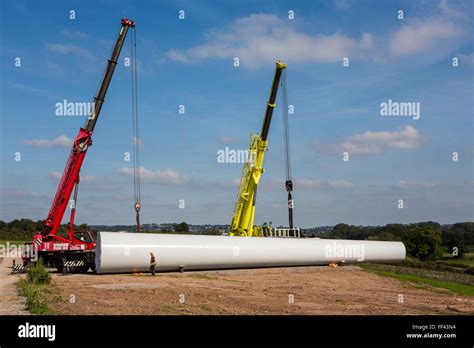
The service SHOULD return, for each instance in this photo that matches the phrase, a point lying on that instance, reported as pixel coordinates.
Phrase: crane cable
(286, 139)
(135, 136)
(286, 133)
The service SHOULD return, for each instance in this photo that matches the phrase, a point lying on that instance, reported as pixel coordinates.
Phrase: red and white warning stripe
(74, 263)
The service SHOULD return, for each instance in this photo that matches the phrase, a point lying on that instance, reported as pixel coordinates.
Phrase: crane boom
(244, 211)
(83, 140)
(76, 251)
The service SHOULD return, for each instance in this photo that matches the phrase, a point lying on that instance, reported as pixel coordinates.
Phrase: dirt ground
(10, 302)
(344, 290)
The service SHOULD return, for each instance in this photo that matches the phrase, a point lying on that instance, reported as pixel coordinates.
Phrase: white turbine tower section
(118, 252)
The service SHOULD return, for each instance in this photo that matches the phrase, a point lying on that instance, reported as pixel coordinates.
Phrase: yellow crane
(244, 212)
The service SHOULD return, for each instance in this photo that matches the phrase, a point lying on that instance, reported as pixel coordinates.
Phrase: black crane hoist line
(135, 135)
(286, 139)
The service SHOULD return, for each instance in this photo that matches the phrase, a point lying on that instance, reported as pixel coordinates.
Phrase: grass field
(467, 260)
(458, 283)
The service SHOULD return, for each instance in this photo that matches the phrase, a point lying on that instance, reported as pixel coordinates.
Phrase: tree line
(423, 240)
(24, 229)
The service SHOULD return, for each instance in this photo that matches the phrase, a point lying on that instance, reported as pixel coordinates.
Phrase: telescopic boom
(70, 177)
(244, 211)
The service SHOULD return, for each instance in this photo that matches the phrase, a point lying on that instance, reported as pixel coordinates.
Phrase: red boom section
(77, 246)
(70, 177)
(82, 142)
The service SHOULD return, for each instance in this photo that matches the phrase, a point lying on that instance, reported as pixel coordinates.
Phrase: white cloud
(74, 34)
(167, 176)
(420, 36)
(436, 35)
(55, 175)
(60, 141)
(342, 184)
(258, 39)
(76, 55)
(309, 184)
(235, 182)
(376, 142)
(64, 49)
(369, 143)
(450, 12)
(261, 38)
(406, 185)
(299, 184)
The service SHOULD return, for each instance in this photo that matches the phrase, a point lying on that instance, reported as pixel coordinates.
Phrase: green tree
(466, 229)
(423, 242)
(40, 226)
(182, 227)
(398, 230)
(456, 245)
(82, 228)
(385, 236)
(14, 224)
(344, 231)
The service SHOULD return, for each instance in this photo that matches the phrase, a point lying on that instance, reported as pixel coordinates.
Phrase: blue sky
(190, 62)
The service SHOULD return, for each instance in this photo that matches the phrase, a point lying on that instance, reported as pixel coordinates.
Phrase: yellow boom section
(244, 211)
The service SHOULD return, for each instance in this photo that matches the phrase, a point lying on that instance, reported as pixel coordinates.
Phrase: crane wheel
(60, 265)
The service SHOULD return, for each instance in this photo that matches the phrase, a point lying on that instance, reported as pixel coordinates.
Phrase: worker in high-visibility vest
(152, 263)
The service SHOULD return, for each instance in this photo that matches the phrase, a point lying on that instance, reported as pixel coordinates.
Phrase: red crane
(76, 251)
